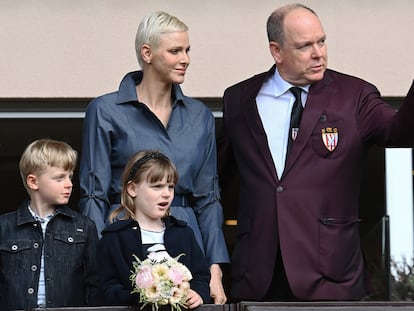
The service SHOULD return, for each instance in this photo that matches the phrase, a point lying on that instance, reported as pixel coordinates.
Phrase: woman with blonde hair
(150, 111)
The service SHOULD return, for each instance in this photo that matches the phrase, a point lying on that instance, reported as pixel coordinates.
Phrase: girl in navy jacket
(147, 192)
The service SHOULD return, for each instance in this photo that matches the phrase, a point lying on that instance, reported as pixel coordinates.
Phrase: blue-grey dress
(116, 126)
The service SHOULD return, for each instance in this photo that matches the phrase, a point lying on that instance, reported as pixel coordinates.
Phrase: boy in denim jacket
(47, 250)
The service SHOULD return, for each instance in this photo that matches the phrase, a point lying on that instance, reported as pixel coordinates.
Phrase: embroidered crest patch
(330, 138)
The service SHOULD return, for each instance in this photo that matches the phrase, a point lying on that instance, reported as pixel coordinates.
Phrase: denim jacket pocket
(70, 239)
(15, 246)
(15, 254)
(70, 248)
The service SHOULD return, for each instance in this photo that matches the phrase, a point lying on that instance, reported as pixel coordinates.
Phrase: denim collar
(24, 216)
(127, 89)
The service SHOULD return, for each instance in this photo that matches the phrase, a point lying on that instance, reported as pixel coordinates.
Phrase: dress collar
(127, 89)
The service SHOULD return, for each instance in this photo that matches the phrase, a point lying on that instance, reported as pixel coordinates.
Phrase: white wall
(82, 48)
(399, 195)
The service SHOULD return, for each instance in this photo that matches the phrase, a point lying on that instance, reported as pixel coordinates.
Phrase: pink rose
(144, 277)
(176, 275)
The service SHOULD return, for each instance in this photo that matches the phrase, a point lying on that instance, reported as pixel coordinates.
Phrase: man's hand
(216, 285)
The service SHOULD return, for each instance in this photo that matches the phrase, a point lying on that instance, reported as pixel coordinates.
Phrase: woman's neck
(153, 92)
(157, 97)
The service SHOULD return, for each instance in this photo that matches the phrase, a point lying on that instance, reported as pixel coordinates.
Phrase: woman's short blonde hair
(150, 29)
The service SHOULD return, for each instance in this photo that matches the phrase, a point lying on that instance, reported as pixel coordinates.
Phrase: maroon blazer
(312, 209)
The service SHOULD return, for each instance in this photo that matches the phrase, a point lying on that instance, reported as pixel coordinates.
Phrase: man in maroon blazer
(297, 232)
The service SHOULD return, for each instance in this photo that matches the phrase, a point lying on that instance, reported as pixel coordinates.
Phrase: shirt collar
(24, 216)
(179, 95)
(127, 89)
(281, 86)
(39, 218)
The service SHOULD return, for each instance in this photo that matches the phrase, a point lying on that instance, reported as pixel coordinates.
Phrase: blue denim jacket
(70, 246)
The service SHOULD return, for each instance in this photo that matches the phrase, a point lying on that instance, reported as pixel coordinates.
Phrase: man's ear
(31, 181)
(276, 51)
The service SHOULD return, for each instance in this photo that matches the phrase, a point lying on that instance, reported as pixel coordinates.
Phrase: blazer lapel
(253, 121)
(318, 98)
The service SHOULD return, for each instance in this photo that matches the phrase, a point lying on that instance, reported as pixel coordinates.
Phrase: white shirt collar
(39, 218)
(281, 86)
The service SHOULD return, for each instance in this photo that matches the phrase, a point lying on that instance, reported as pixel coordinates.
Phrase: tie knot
(296, 91)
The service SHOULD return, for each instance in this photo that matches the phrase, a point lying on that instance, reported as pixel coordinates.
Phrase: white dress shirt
(274, 103)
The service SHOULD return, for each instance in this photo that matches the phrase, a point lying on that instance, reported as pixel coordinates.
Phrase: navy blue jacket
(122, 239)
(70, 248)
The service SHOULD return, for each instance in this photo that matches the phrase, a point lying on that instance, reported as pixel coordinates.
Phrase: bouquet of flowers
(161, 280)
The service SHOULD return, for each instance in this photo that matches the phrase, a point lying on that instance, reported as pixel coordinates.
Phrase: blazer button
(34, 268)
(30, 291)
(14, 247)
(70, 239)
(279, 189)
(35, 245)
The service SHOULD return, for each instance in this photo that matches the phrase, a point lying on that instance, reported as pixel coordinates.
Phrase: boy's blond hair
(42, 153)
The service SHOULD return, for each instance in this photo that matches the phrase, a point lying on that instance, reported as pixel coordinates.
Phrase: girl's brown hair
(148, 165)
